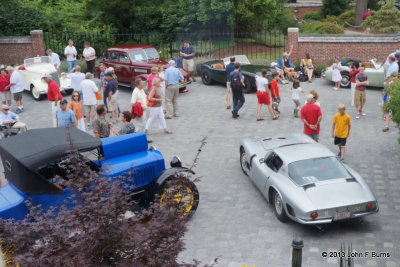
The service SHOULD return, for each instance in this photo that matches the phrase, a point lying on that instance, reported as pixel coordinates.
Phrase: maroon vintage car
(131, 61)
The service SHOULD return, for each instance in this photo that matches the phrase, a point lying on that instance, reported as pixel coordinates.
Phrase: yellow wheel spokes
(184, 197)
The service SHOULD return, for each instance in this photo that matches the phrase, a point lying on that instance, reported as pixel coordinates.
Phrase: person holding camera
(355, 69)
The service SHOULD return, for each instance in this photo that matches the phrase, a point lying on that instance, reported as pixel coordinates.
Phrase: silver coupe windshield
(315, 170)
(145, 54)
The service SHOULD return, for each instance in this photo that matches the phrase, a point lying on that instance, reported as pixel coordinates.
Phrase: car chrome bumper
(330, 220)
(183, 85)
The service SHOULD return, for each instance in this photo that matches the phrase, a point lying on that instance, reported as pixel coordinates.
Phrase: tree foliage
(97, 231)
(167, 16)
(334, 7)
(386, 19)
(393, 104)
(18, 20)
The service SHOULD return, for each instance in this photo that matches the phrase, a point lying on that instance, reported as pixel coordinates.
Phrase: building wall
(14, 49)
(323, 48)
(298, 9)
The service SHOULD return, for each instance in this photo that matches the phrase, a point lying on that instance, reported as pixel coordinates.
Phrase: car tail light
(369, 206)
(314, 215)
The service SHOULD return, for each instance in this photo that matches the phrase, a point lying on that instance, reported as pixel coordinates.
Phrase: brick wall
(298, 9)
(323, 48)
(14, 49)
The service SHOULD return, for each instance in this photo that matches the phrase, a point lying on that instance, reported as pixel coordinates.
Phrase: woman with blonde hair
(154, 74)
(162, 85)
(155, 107)
(308, 65)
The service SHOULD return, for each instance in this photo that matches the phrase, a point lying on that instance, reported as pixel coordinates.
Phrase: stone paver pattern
(233, 221)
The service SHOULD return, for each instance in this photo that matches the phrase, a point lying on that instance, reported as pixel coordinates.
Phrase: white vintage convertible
(32, 72)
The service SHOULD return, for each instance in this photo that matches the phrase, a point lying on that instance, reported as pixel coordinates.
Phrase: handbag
(99, 96)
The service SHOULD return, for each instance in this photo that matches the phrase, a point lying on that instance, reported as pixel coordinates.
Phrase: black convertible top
(23, 154)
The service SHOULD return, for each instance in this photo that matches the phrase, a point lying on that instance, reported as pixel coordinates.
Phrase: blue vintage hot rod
(31, 165)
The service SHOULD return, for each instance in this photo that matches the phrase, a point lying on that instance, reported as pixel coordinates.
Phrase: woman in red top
(76, 106)
(154, 74)
(5, 94)
(354, 71)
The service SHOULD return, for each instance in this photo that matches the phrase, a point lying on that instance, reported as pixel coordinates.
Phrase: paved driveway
(233, 221)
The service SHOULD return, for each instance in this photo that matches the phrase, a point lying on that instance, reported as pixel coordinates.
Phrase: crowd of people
(310, 113)
(92, 99)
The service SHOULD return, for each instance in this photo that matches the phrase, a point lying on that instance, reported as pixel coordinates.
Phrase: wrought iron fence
(265, 45)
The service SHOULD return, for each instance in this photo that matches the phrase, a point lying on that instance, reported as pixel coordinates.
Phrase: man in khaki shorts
(359, 94)
(188, 52)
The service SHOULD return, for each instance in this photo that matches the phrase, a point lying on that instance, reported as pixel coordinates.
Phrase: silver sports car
(304, 181)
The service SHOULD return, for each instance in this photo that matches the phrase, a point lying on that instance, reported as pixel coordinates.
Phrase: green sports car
(214, 72)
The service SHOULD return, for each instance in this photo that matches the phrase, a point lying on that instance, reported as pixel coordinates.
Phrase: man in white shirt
(70, 52)
(17, 87)
(55, 59)
(139, 96)
(90, 57)
(393, 67)
(89, 90)
(76, 78)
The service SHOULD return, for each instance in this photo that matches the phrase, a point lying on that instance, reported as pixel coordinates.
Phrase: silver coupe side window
(314, 170)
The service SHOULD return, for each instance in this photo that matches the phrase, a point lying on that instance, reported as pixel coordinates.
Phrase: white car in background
(32, 72)
(374, 70)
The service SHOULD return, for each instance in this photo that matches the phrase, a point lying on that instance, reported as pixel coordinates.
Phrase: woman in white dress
(162, 85)
(336, 76)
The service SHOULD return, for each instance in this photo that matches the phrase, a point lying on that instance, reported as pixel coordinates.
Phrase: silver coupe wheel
(278, 204)
(279, 208)
(243, 161)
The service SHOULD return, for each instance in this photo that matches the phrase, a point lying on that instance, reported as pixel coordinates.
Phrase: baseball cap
(63, 101)
(171, 62)
(108, 74)
(5, 107)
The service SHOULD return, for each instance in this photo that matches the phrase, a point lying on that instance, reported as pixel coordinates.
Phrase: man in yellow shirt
(341, 125)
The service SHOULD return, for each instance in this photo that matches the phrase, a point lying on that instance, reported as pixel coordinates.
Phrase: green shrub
(334, 7)
(319, 68)
(385, 20)
(321, 28)
(313, 15)
(348, 17)
(333, 19)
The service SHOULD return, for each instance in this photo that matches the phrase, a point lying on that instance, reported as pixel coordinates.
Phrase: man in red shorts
(263, 95)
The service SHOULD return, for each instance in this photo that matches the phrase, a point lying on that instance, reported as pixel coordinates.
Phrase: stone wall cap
(305, 4)
(344, 38)
(15, 40)
(293, 29)
(36, 32)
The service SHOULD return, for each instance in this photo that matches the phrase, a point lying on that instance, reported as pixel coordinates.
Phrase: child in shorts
(341, 125)
(274, 87)
(296, 90)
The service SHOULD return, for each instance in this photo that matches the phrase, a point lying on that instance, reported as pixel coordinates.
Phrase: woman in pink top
(154, 74)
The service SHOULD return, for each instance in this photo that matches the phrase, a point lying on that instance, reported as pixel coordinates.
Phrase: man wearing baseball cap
(8, 117)
(172, 77)
(53, 95)
(65, 117)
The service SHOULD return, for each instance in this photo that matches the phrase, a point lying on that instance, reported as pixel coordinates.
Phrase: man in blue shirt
(10, 118)
(172, 77)
(188, 52)
(65, 117)
(229, 68)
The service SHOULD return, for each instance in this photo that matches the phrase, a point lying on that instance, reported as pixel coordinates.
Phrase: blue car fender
(170, 172)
